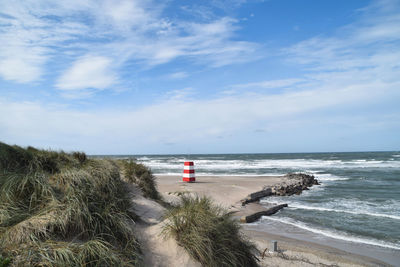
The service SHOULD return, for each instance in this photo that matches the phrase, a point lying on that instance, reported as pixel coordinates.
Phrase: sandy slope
(158, 251)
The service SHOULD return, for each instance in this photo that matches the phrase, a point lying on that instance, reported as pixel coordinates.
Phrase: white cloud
(177, 75)
(270, 84)
(180, 94)
(355, 46)
(184, 120)
(129, 16)
(36, 32)
(20, 59)
(19, 69)
(203, 43)
(94, 72)
(125, 13)
(28, 37)
(351, 72)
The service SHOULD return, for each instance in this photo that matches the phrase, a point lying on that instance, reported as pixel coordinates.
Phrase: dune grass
(209, 234)
(60, 209)
(142, 176)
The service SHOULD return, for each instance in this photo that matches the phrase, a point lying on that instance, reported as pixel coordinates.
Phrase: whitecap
(251, 166)
(330, 177)
(360, 212)
(333, 234)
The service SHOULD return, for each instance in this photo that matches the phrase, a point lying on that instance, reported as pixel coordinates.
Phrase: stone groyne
(294, 183)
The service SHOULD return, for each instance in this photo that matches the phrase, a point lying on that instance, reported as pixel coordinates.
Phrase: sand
(158, 250)
(227, 191)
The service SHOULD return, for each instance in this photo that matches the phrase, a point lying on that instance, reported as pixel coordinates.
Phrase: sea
(356, 207)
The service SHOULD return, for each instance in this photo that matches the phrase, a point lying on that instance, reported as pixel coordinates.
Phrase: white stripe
(188, 175)
(188, 167)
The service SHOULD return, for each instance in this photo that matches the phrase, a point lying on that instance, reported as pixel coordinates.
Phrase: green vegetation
(60, 209)
(209, 234)
(139, 174)
(4, 262)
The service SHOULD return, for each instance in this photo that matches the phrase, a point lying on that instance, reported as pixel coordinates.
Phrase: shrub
(208, 233)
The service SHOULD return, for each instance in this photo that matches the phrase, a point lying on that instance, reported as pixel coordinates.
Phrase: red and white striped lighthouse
(188, 172)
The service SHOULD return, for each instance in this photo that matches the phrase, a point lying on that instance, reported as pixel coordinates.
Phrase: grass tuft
(209, 234)
(4, 262)
(80, 156)
(60, 209)
(139, 174)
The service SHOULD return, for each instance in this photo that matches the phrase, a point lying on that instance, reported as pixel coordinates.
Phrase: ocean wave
(345, 211)
(265, 164)
(222, 175)
(333, 234)
(330, 177)
(320, 177)
(389, 208)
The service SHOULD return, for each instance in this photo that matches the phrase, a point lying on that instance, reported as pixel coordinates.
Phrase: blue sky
(219, 76)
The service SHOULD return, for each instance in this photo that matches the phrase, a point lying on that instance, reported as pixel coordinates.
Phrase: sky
(217, 76)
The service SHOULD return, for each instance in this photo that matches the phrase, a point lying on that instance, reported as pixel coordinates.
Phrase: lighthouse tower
(188, 172)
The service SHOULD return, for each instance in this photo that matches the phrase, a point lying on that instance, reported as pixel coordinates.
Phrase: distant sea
(358, 200)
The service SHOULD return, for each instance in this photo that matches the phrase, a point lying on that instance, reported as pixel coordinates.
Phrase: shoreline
(281, 231)
(228, 191)
(303, 251)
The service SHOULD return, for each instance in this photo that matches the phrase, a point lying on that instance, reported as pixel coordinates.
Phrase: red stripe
(188, 163)
(189, 179)
(188, 171)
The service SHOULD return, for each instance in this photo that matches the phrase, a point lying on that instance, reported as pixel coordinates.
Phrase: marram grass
(209, 234)
(60, 209)
(142, 176)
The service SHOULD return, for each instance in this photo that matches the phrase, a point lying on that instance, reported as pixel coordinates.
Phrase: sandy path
(157, 250)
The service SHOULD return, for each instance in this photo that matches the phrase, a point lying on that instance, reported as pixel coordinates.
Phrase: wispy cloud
(180, 94)
(269, 84)
(371, 42)
(360, 54)
(34, 33)
(177, 75)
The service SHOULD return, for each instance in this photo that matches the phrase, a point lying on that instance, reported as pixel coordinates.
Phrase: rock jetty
(294, 183)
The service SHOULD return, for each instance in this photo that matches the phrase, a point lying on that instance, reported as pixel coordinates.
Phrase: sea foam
(333, 234)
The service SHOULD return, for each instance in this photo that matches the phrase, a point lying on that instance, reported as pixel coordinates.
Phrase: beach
(228, 191)
(200, 133)
(332, 209)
